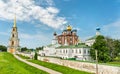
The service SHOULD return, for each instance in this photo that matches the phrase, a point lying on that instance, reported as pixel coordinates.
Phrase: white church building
(79, 51)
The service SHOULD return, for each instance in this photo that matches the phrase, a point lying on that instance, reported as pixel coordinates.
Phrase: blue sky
(38, 19)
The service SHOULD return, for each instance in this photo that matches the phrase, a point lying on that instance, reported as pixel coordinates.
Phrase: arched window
(13, 35)
(13, 29)
(12, 42)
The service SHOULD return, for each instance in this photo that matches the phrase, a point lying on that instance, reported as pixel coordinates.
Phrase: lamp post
(96, 61)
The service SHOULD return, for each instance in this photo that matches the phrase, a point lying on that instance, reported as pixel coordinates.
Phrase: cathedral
(68, 37)
(14, 40)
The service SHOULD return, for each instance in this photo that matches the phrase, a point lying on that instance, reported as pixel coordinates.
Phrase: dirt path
(38, 66)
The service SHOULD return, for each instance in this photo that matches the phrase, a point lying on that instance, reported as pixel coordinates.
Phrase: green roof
(75, 46)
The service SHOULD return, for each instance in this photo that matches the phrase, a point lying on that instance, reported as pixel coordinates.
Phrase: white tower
(54, 40)
(14, 41)
(97, 31)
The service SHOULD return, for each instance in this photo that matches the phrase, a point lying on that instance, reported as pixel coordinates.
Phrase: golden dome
(69, 28)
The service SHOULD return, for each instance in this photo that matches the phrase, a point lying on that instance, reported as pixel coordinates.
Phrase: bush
(71, 59)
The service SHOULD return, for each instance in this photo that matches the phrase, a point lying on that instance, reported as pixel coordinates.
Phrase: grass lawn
(117, 64)
(59, 68)
(10, 65)
(114, 63)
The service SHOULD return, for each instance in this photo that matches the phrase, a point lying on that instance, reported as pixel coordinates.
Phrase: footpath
(38, 66)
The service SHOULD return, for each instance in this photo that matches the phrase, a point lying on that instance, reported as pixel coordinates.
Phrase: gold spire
(14, 21)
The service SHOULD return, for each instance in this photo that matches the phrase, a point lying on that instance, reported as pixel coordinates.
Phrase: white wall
(72, 52)
(89, 67)
(90, 42)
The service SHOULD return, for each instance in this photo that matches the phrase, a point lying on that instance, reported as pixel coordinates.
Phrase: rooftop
(81, 45)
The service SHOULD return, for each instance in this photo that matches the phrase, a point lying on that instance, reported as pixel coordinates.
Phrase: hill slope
(10, 65)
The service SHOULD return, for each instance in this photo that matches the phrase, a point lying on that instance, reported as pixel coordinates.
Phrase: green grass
(10, 65)
(114, 63)
(59, 68)
(117, 64)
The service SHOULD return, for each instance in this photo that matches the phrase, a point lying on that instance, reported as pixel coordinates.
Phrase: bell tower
(14, 40)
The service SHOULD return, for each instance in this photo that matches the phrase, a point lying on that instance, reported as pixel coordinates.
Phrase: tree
(24, 49)
(101, 46)
(117, 50)
(111, 47)
(114, 47)
(35, 56)
(39, 48)
(3, 48)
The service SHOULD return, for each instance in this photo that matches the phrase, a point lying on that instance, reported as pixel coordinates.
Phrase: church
(14, 40)
(68, 46)
(68, 37)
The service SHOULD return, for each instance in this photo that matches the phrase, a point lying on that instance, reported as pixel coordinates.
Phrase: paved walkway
(38, 66)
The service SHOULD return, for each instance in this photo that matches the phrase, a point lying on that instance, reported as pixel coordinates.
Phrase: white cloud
(27, 10)
(112, 29)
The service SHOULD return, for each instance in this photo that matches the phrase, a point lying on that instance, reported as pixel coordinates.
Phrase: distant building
(14, 40)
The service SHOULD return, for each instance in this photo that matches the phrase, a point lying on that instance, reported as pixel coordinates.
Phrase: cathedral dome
(97, 28)
(69, 28)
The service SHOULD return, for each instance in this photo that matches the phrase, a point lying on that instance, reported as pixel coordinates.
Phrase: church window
(13, 29)
(84, 51)
(12, 42)
(59, 41)
(66, 51)
(88, 52)
(79, 51)
(60, 51)
(13, 35)
(76, 51)
(72, 51)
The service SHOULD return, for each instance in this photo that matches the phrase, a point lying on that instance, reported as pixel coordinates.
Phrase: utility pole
(96, 62)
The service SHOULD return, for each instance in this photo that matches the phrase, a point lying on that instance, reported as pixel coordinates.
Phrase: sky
(37, 20)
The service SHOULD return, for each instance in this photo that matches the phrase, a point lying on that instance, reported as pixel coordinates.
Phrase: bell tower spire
(14, 40)
(14, 25)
